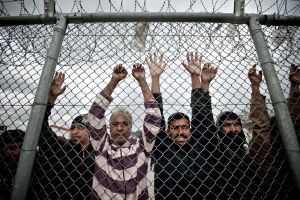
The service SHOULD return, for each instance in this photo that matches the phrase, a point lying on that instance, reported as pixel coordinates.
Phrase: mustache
(119, 134)
(181, 135)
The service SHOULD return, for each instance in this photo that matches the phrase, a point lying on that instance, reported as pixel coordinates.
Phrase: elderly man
(122, 161)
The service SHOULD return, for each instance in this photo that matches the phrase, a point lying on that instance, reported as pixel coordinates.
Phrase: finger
(216, 70)
(147, 61)
(260, 73)
(293, 66)
(151, 59)
(192, 56)
(63, 89)
(185, 66)
(200, 58)
(154, 57)
(55, 76)
(187, 57)
(62, 77)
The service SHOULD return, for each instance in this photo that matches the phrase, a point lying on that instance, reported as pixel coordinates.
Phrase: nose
(234, 128)
(120, 127)
(180, 130)
(16, 151)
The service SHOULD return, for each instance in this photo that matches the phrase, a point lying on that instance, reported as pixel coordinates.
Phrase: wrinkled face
(120, 128)
(233, 126)
(180, 131)
(79, 134)
(12, 150)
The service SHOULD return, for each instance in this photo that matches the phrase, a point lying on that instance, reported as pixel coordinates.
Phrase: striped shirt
(121, 171)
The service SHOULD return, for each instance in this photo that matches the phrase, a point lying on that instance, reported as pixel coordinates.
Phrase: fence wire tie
(39, 104)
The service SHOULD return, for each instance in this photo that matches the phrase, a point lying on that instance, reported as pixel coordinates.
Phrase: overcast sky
(90, 52)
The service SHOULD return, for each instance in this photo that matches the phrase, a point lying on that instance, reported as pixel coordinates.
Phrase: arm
(157, 66)
(294, 96)
(48, 139)
(96, 115)
(152, 119)
(202, 118)
(260, 143)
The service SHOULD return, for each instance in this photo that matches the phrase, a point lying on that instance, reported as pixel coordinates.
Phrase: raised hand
(208, 73)
(119, 73)
(56, 88)
(138, 72)
(156, 65)
(294, 74)
(193, 65)
(254, 77)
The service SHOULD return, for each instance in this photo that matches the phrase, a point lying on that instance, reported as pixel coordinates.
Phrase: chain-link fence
(250, 162)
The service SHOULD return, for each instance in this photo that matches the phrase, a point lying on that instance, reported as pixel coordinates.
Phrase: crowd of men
(192, 158)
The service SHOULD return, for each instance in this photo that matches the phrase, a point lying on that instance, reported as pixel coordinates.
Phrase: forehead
(228, 122)
(120, 117)
(77, 125)
(17, 143)
(182, 121)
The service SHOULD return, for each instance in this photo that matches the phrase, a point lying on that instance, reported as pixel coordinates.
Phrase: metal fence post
(26, 161)
(286, 128)
(239, 7)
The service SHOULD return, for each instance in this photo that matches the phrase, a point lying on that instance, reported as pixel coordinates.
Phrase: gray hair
(121, 110)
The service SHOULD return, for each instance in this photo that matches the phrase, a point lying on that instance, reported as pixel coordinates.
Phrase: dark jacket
(184, 172)
(63, 171)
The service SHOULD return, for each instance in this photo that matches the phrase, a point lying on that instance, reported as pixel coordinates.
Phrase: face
(12, 150)
(179, 130)
(79, 134)
(120, 128)
(231, 126)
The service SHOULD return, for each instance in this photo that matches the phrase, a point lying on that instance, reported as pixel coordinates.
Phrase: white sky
(91, 55)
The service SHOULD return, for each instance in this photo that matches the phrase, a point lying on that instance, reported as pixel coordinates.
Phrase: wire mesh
(89, 53)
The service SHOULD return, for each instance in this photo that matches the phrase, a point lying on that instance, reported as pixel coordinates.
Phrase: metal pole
(49, 8)
(283, 118)
(239, 7)
(151, 17)
(26, 161)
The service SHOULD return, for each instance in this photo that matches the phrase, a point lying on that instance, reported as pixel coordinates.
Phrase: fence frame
(26, 161)
(253, 21)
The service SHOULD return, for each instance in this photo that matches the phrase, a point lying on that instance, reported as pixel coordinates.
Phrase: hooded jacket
(238, 179)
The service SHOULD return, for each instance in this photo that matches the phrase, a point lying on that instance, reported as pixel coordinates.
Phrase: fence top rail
(151, 17)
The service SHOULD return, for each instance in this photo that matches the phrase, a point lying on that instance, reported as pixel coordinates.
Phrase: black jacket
(184, 172)
(63, 170)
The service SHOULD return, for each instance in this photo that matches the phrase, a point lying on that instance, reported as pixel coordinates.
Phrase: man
(121, 160)
(266, 146)
(65, 167)
(184, 153)
(10, 149)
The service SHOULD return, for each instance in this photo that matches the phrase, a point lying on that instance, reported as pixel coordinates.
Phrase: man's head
(229, 122)
(231, 130)
(11, 142)
(179, 128)
(120, 126)
(79, 130)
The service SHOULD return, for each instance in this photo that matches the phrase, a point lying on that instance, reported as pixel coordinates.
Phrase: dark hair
(177, 116)
(228, 115)
(11, 136)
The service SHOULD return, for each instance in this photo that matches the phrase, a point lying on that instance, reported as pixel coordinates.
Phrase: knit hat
(81, 119)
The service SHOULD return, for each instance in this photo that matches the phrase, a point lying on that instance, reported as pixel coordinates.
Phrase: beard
(234, 141)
